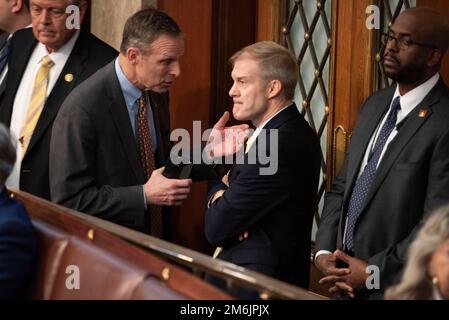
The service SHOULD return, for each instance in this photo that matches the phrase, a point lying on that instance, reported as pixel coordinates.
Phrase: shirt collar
(256, 133)
(412, 98)
(130, 92)
(59, 56)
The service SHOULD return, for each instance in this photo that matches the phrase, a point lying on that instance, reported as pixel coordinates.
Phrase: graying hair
(276, 63)
(7, 154)
(144, 27)
(416, 281)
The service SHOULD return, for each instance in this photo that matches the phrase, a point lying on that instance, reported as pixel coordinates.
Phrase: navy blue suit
(276, 210)
(17, 248)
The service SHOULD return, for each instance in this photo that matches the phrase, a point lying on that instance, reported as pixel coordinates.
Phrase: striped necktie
(4, 55)
(37, 102)
(366, 178)
(146, 155)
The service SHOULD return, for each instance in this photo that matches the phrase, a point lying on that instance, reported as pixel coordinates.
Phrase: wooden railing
(91, 227)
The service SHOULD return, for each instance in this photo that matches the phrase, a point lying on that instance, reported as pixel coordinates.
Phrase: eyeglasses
(53, 12)
(403, 42)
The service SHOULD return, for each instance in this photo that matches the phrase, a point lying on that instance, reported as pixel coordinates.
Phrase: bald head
(427, 26)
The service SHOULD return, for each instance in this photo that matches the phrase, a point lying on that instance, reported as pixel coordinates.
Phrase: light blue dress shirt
(131, 94)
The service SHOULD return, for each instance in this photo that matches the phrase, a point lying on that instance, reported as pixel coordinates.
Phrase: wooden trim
(234, 27)
(441, 6)
(352, 69)
(269, 19)
(129, 245)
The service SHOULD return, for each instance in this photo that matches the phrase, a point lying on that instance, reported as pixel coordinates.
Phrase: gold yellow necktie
(36, 103)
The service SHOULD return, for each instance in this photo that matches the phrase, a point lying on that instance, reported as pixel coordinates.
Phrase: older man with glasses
(47, 62)
(396, 169)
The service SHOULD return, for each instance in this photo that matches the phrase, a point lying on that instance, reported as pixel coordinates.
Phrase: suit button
(26, 171)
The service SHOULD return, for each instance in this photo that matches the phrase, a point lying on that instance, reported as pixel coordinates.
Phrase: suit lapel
(72, 70)
(283, 116)
(366, 129)
(413, 122)
(21, 50)
(120, 116)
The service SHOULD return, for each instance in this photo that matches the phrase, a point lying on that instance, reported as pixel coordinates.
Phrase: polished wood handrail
(71, 221)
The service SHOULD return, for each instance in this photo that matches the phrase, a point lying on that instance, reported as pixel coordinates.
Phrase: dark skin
(415, 65)
(409, 68)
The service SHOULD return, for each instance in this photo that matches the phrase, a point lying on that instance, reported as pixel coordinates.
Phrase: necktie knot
(46, 62)
(396, 105)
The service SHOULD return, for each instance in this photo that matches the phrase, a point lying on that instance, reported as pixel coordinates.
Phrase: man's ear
(16, 6)
(83, 8)
(132, 55)
(435, 58)
(274, 88)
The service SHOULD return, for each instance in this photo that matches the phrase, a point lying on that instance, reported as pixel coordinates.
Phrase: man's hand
(166, 192)
(225, 179)
(354, 279)
(326, 263)
(334, 276)
(225, 141)
(358, 275)
(217, 195)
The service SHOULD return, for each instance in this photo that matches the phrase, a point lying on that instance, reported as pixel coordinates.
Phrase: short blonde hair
(276, 63)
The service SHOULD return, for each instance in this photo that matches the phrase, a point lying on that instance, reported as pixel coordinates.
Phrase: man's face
(48, 18)
(249, 91)
(439, 267)
(409, 65)
(157, 69)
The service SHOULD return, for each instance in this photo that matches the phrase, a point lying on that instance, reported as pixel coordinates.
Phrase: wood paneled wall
(213, 31)
(189, 101)
(351, 74)
(443, 7)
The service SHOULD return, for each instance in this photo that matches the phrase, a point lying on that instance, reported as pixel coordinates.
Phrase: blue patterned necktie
(4, 55)
(364, 181)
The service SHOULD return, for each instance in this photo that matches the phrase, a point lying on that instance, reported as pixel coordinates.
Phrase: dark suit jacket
(411, 180)
(94, 163)
(277, 210)
(3, 37)
(88, 55)
(17, 248)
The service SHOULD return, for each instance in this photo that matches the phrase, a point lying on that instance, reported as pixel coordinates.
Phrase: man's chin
(392, 75)
(161, 89)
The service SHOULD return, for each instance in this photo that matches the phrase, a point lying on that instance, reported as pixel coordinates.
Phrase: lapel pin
(68, 77)
(422, 113)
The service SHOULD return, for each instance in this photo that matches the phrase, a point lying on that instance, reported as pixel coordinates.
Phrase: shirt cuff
(144, 197)
(320, 253)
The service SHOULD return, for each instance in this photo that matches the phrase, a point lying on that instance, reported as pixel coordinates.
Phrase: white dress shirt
(258, 130)
(24, 92)
(408, 102)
